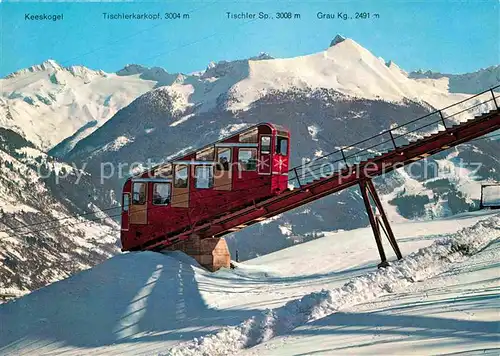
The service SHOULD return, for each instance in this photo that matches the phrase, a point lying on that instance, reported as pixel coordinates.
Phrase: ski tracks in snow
(418, 266)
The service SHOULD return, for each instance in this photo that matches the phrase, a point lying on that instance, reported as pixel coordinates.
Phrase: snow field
(418, 266)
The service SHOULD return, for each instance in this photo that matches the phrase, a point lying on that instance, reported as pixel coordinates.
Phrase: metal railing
(395, 137)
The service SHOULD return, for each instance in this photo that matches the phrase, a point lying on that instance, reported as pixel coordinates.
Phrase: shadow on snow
(151, 297)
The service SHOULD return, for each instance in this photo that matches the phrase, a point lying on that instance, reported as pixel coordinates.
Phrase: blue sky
(446, 36)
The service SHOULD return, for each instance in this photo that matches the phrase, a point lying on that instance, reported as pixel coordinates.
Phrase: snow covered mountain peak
(131, 69)
(85, 73)
(261, 56)
(394, 67)
(390, 64)
(470, 83)
(48, 65)
(347, 47)
(346, 67)
(48, 103)
(337, 39)
(222, 67)
(211, 65)
(157, 74)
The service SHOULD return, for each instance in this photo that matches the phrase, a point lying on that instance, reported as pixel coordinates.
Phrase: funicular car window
(161, 193)
(125, 202)
(251, 136)
(139, 194)
(181, 177)
(204, 177)
(281, 145)
(164, 171)
(265, 144)
(206, 154)
(247, 159)
(223, 159)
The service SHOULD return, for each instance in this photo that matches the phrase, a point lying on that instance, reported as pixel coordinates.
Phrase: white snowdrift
(421, 265)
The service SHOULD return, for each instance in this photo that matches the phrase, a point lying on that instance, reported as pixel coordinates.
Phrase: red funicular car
(225, 176)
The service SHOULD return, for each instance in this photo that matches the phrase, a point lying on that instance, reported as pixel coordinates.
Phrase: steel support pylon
(368, 190)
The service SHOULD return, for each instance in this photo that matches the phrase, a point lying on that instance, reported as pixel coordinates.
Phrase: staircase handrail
(390, 131)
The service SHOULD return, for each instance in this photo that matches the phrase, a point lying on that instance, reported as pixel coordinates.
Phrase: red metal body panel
(246, 187)
(125, 215)
(280, 171)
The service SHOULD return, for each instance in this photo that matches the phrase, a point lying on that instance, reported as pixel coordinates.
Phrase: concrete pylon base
(211, 253)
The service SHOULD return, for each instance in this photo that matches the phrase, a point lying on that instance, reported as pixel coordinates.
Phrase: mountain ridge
(48, 103)
(237, 80)
(469, 83)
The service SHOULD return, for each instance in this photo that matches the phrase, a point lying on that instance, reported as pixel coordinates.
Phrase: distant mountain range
(470, 83)
(48, 103)
(328, 99)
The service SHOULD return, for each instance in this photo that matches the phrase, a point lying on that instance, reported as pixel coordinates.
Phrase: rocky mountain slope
(41, 238)
(327, 100)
